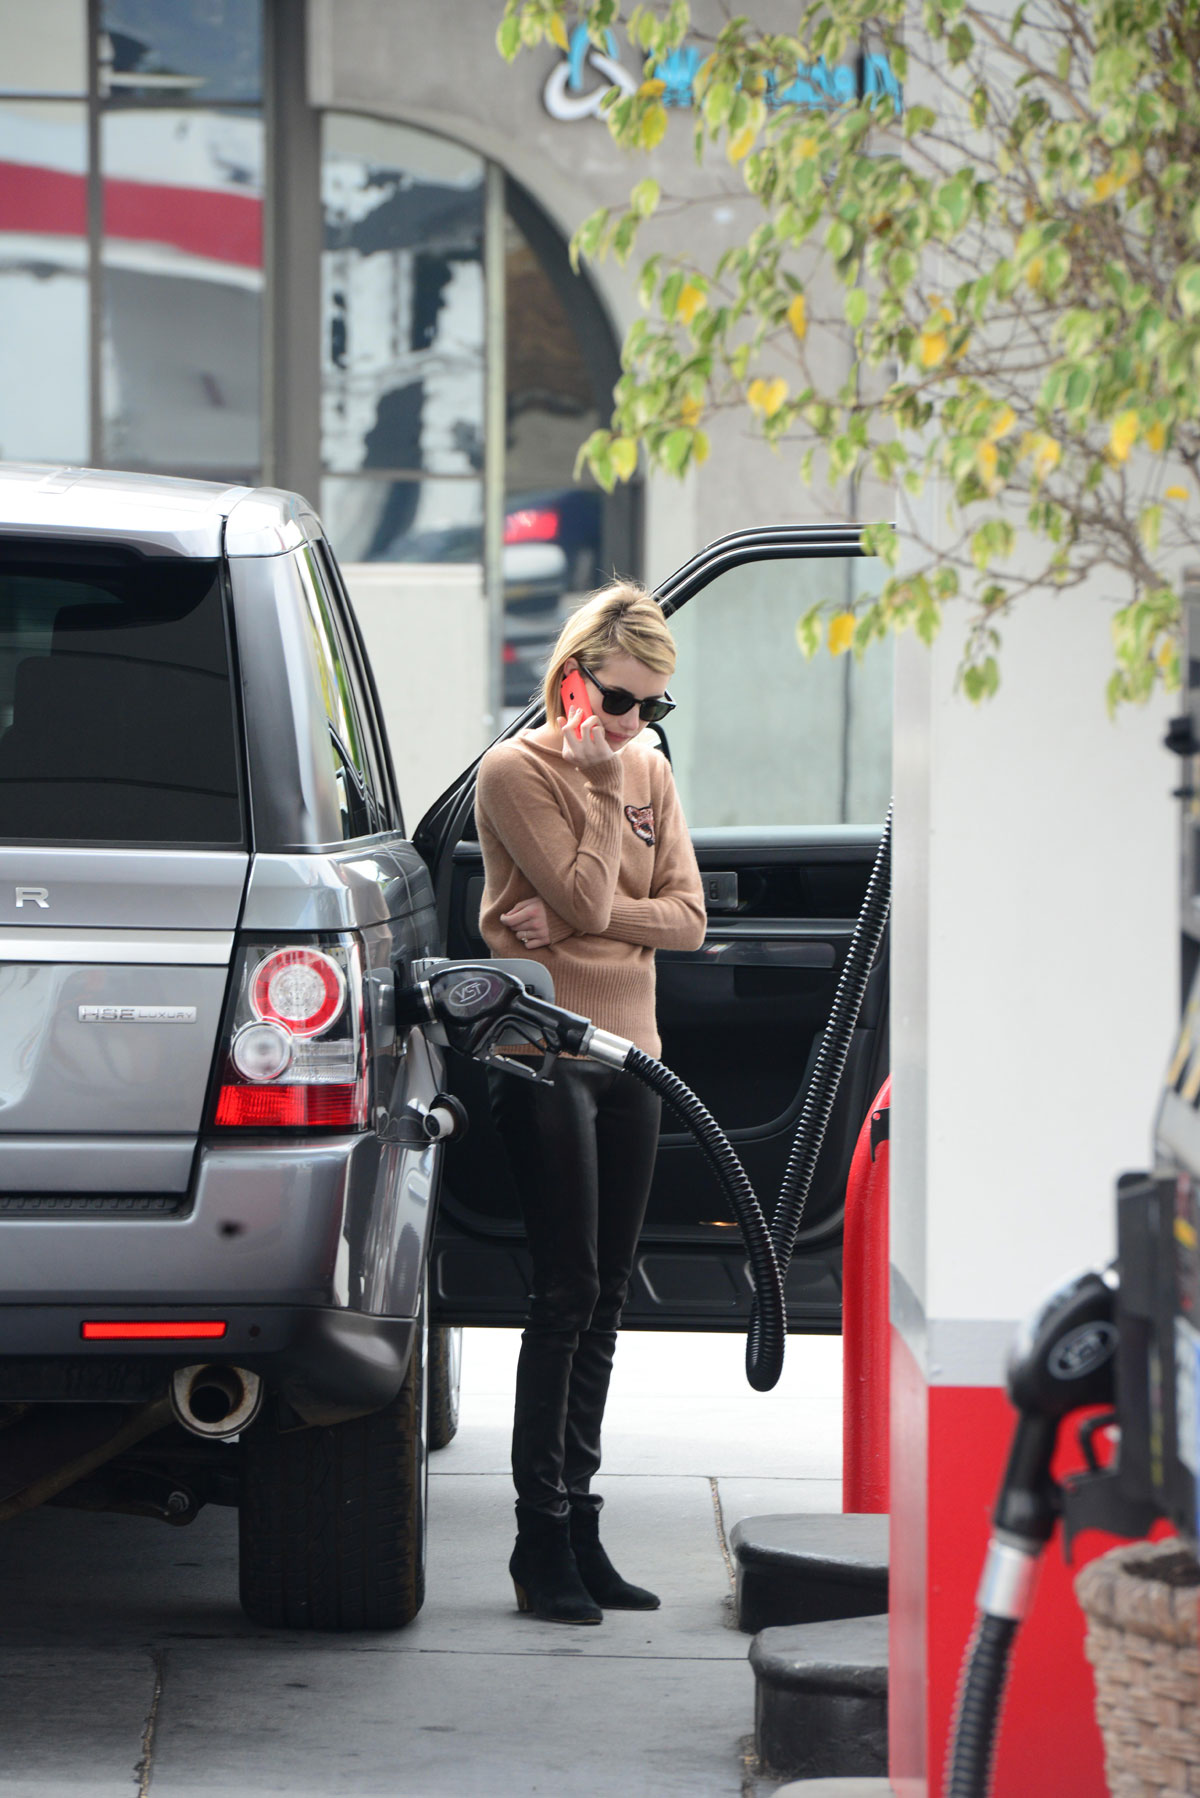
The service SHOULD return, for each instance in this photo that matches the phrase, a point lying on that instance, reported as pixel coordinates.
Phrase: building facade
(322, 244)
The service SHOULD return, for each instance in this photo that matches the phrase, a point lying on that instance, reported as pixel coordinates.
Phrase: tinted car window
(116, 708)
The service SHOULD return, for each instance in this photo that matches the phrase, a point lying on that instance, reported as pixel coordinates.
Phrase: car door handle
(720, 891)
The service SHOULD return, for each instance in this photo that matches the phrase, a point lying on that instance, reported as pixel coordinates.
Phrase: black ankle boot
(544, 1572)
(597, 1571)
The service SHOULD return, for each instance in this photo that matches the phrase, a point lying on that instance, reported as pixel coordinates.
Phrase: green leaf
(856, 307)
(718, 103)
(676, 450)
(808, 632)
(648, 281)
(508, 38)
(623, 454)
(644, 197)
(586, 241)
(839, 239)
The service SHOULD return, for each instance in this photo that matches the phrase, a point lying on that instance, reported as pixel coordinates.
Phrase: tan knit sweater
(609, 855)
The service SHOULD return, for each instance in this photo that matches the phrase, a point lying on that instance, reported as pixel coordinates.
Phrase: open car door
(784, 773)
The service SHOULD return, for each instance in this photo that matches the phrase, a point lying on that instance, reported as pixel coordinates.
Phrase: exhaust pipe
(215, 1399)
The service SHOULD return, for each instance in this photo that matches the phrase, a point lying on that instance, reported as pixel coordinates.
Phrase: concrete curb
(810, 1567)
(820, 1698)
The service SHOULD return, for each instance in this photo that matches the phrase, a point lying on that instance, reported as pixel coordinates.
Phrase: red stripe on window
(208, 222)
(49, 200)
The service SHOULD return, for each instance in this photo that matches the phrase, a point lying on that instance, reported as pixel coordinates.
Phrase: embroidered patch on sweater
(641, 817)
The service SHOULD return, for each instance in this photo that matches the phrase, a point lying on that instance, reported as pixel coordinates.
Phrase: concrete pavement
(128, 1668)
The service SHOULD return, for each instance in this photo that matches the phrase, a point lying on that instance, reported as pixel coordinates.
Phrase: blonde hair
(622, 619)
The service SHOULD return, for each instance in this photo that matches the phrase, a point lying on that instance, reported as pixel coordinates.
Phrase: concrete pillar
(1034, 1003)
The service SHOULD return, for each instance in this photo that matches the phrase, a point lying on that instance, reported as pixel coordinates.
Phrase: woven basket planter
(1142, 1602)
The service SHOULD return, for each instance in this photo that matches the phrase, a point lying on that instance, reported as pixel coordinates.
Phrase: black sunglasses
(616, 701)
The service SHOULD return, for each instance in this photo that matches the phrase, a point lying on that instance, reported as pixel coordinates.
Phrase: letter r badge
(39, 896)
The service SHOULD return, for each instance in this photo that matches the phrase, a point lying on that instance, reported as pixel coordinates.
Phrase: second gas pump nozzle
(1062, 1361)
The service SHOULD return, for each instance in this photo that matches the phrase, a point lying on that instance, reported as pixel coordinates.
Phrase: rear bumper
(327, 1364)
(267, 1222)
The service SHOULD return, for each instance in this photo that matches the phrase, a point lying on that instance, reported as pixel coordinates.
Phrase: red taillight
(274, 1107)
(295, 1054)
(533, 524)
(136, 1330)
(302, 989)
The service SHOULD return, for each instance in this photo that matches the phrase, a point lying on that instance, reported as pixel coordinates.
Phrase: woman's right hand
(588, 750)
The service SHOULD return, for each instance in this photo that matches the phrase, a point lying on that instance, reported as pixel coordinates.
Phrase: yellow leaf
(841, 633)
(797, 315)
(1123, 435)
(558, 31)
(1156, 436)
(1046, 453)
(741, 144)
(807, 148)
(623, 451)
(651, 90)
(1105, 185)
(692, 299)
(1034, 273)
(690, 409)
(766, 397)
(933, 348)
(1178, 493)
(986, 456)
(1166, 654)
(1001, 425)
(700, 447)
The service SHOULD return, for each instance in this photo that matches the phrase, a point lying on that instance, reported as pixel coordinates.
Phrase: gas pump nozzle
(1062, 1361)
(472, 1006)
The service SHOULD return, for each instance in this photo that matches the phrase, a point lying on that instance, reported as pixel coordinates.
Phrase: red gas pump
(866, 1339)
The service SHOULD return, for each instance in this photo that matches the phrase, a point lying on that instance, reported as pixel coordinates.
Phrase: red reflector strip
(275, 1107)
(125, 1330)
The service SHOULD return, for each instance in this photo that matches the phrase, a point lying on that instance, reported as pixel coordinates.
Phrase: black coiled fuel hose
(977, 1713)
(831, 1056)
(765, 1342)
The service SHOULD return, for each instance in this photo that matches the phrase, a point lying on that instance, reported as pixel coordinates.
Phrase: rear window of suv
(117, 721)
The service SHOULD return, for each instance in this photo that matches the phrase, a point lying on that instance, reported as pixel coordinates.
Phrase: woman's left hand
(528, 921)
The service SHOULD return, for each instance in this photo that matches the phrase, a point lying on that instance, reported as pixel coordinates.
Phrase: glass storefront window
(43, 282)
(403, 302)
(183, 281)
(44, 47)
(162, 50)
(373, 519)
(562, 537)
(550, 408)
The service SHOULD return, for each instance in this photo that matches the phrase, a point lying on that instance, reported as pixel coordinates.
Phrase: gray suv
(217, 1177)
(220, 1275)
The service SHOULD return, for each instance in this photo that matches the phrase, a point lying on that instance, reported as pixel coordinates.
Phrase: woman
(588, 868)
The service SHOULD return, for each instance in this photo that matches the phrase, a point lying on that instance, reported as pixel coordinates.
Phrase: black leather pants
(582, 1153)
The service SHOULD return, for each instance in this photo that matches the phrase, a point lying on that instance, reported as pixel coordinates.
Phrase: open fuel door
(783, 767)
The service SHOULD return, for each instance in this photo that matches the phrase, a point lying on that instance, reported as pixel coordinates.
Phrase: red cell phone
(573, 696)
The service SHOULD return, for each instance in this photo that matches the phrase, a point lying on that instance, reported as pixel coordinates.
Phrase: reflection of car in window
(552, 546)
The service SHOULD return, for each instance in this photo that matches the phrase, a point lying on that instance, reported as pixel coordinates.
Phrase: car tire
(445, 1375)
(331, 1525)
